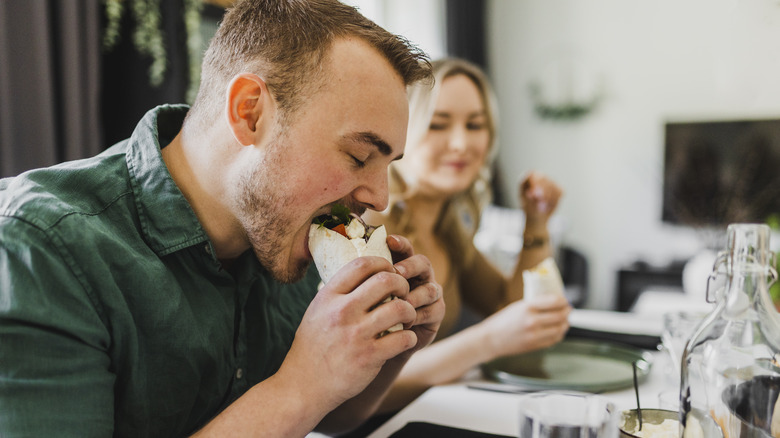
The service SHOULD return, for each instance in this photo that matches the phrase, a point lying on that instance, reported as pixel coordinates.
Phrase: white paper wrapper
(543, 279)
(331, 251)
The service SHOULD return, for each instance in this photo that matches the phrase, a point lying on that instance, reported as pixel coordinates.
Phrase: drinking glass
(678, 328)
(562, 414)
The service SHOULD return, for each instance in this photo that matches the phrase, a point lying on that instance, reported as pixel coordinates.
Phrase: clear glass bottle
(730, 377)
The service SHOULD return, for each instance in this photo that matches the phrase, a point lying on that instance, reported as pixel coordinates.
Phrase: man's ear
(250, 108)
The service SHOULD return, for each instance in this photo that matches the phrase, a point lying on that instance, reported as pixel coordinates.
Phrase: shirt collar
(168, 222)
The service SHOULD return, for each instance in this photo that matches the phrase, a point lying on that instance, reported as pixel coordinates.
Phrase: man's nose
(373, 193)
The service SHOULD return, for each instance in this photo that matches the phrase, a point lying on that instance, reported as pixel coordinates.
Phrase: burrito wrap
(543, 279)
(331, 251)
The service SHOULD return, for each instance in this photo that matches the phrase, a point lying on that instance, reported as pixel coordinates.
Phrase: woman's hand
(539, 197)
(525, 326)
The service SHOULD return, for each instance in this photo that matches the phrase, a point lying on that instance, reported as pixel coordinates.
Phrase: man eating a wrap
(165, 287)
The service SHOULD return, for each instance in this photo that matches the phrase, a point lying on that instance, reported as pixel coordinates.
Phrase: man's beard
(262, 204)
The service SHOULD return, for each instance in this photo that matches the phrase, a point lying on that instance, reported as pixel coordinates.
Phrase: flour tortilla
(542, 280)
(331, 251)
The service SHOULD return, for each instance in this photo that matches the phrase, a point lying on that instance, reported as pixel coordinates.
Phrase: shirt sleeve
(55, 377)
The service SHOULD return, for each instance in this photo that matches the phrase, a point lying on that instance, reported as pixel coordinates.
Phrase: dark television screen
(716, 173)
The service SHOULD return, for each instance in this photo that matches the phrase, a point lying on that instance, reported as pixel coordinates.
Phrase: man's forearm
(272, 408)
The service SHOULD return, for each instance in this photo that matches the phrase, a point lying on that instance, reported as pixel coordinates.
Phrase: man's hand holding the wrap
(425, 294)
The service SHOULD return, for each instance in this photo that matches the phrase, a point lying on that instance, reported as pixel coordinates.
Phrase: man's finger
(425, 294)
(417, 269)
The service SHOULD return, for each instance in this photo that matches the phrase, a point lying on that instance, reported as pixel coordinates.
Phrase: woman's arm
(441, 362)
(518, 328)
(539, 197)
(514, 326)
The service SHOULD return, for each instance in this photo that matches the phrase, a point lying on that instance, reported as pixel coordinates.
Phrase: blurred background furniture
(574, 270)
(638, 277)
(500, 238)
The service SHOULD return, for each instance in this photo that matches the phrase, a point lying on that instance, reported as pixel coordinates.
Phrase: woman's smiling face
(449, 157)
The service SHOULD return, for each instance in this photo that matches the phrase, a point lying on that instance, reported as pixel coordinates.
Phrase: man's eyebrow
(370, 137)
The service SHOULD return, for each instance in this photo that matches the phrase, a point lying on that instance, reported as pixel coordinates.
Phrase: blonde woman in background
(437, 192)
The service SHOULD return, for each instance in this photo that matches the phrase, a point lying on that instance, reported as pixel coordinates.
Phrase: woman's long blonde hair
(460, 217)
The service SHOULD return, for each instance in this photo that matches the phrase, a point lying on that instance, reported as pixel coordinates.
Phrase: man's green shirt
(115, 316)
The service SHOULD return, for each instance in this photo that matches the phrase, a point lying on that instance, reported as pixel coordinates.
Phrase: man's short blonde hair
(285, 42)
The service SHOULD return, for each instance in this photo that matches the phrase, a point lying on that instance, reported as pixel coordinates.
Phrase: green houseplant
(147, 35)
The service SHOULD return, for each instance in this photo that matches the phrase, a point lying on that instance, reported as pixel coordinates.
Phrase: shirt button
(208, 249)
(239, 373)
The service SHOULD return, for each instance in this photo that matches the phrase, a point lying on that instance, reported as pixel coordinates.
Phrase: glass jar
(730, 377)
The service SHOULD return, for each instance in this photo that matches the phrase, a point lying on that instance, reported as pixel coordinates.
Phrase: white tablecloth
(459, 406)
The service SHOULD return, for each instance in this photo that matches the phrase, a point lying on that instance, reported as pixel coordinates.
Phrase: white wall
(421, 22)
(657, 60)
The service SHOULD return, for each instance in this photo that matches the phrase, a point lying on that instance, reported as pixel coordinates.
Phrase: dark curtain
(61, 96)
(126, 93)
(466, 30)
(49, 82)
(467, 39)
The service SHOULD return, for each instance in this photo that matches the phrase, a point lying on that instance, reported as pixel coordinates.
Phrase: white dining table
(459, 405)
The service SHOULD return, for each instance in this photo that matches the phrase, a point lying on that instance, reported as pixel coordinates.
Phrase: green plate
(574, 364)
